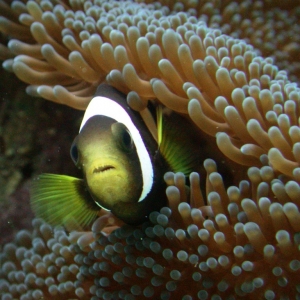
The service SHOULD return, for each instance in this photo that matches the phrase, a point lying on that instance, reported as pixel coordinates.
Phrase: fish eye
(126, 139)
(122, 136)
(74, 153)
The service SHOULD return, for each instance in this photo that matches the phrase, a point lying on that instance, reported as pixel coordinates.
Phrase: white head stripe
(97, 203)
(106, 107)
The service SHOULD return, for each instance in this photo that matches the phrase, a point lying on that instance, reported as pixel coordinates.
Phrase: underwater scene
(149, 149)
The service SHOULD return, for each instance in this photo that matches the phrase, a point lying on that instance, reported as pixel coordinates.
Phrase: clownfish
(123, 165)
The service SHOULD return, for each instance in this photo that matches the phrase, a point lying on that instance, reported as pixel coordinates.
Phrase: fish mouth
(103, 169)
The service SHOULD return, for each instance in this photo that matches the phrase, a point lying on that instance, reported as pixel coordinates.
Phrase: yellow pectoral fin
(176, 142)
(62, 200)
(159, 120)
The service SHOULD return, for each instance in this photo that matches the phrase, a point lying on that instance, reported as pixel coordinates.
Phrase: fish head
(107, 155)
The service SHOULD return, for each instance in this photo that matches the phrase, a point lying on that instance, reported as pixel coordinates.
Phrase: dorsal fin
(176, 143)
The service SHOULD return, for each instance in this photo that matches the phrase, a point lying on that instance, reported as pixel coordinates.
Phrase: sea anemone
(242, 244)
(225, 87)
(39, 265)
(229, 242)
